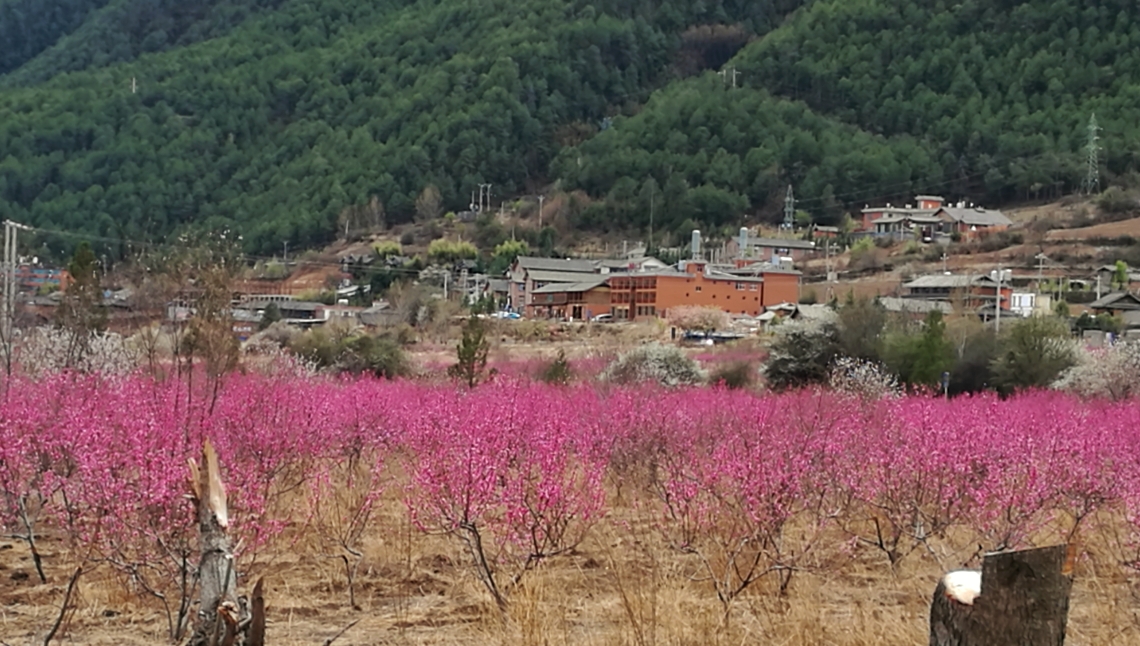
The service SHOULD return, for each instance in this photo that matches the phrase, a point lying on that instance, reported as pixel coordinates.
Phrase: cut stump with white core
(224, 618)
(1018, 599)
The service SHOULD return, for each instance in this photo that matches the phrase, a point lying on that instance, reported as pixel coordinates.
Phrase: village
(758, 277)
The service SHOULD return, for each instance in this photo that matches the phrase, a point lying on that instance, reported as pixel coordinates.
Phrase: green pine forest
(272, 117)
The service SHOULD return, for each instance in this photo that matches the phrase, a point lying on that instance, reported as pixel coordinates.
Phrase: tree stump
(224, 618)
(1023, 601)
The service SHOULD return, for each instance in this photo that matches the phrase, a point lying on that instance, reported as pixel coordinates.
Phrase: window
(752, 287)
(740, 287)
(698, 288)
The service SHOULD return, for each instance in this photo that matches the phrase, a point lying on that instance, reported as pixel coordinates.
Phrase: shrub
(694, 317)
(49, 350)
(1116, 200)
(381, 356)
(387, 248)
(735, 375)
(446, 251)
(557, 371)
(865, 379)
(1034, 352)
(666, 365)
(407, 238)
(1112, 372)
(801, 354)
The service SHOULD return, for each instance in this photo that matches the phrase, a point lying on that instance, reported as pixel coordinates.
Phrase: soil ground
(621, 586)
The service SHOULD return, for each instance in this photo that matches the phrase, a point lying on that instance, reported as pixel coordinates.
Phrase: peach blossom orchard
(518, 472)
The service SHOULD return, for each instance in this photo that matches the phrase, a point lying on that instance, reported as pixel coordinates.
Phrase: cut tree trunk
(224, 618)
(1024, 601)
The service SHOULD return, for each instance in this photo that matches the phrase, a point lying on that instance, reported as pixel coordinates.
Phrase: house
(971, 221)
(971, 291)
(1106, 275)
(914, 307)
(649, 294)
(924, 206)
(904, 225)
(1124, 305)
(821, 232)
(33, 279)
(576, 301)
(745, 246)
(526, 271)
(529, 273)
(293, 312)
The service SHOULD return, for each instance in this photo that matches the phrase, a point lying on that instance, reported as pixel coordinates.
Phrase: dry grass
(622, 586)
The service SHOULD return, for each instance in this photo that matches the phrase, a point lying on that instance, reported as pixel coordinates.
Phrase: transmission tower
(789, 209)
(1091, 183)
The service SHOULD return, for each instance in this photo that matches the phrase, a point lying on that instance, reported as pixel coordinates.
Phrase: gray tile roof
(976, 216)
(530, 263)
(788, 243)
(951, 281)
(559, 288)
(920, 219)
(544, 276)
(1116, 301)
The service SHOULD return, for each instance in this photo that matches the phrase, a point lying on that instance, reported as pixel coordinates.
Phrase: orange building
(737, 291)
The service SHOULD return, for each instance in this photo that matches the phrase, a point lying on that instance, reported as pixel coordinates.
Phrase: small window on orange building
(698, 288)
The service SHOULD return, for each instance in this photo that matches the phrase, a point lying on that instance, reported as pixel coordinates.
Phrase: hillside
(273, 117)
(302, 111)
(874, 100)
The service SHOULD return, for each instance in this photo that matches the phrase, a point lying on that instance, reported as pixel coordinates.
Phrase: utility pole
(789, 209)
(730, 70)
(649, 247)
(1091, 183)
(8, 304)
(541, 199)
(998, 275)
(285, 254)
(484, 197)
(134, 85)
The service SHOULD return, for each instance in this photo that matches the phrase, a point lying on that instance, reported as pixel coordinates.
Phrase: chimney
(695, 245)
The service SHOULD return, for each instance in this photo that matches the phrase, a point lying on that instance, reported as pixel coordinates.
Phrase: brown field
(622, 586)
(1108, 230)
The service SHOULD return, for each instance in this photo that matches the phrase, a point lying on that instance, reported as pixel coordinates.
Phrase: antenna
(1091, 183)
(789, 209)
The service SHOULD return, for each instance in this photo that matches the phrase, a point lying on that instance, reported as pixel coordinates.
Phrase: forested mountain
(300, 112)
(53, 36)
(273, 116)
(853, 101)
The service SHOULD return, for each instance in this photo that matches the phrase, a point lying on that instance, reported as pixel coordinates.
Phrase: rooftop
(560, 288)
(789, 243)
(1116, 301)
(531, 263)
(950, 281)
(918, 216)
(548, 276)
(976, 216)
